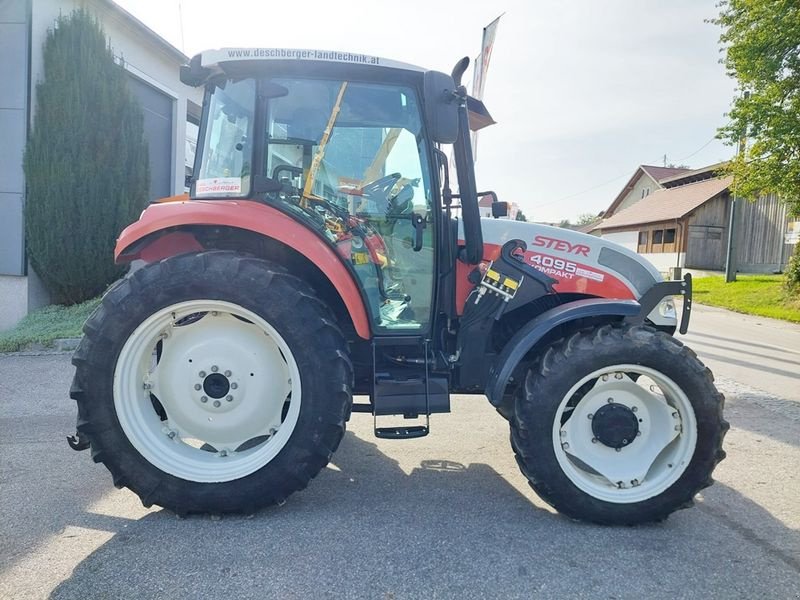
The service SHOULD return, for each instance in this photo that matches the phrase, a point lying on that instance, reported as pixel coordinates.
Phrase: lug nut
(171, 435)
(610, 400)
(203, 399)
(202, 374)
(565, 446)
(594, 440)
(198, 387)
(214, 313)
(223, 453)
(634, 409)
(234, 386)
(227, 373)
(229, 398)
(214, 368)
(619, 449)
(624, 441)
(618, 375)
(148, 386)
(590, 416)
(217, 404)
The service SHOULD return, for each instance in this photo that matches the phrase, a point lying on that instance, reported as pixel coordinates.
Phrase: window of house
(669, 236)
(658, 236)
(643, 238)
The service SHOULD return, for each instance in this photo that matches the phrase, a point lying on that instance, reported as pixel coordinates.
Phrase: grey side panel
(14, 90)
(629, 268)
(157, 109)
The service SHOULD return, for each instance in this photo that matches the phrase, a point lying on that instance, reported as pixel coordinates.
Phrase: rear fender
(535, 330)
(157, 234)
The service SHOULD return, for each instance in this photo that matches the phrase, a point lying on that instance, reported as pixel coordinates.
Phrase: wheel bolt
(171, 435)
(227, 373)
(594, 440)
(610, 400)
(198, 387)
(229, 398)
(624, 441)
(565, 446)
(619, 449)
(677, 427)
(634, 409)
(203, 399)
(202, 374)
(618, 375)
(234, 386)
(214, 313)
(675, 415)
(590, 416)
(223, 453)
(148, 386)
(214, 368)
(217, 404)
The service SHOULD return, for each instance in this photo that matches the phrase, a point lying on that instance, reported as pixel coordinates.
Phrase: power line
(627, 174)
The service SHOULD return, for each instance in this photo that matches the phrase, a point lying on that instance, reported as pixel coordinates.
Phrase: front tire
(212, 383)
(618, 425)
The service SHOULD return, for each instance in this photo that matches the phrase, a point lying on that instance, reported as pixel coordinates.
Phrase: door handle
(418, 221)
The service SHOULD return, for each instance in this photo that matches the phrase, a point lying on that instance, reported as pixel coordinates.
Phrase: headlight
(666, 308)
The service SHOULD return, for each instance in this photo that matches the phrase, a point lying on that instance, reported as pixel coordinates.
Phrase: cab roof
(215, 58)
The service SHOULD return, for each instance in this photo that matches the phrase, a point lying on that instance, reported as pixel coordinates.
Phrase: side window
(227, 152)
(353, 164)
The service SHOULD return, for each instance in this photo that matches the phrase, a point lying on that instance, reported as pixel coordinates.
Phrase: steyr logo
(561, 245)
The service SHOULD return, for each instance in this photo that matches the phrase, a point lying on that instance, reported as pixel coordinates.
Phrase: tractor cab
(347, 144)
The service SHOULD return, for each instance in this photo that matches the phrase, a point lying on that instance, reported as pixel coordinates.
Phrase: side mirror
(441, 107)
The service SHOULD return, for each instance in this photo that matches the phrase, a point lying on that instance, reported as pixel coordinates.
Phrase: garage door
(157, 110)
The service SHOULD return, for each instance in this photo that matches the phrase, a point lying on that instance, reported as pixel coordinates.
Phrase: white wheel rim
(207, 437)
(647, 465)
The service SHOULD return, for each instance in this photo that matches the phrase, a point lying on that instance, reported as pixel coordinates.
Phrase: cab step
(402, 433)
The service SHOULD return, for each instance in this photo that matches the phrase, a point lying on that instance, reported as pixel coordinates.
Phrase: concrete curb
(58, 346)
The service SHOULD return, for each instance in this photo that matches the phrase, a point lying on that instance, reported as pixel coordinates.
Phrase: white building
(152, 66)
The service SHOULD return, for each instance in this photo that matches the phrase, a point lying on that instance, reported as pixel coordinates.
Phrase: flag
(480, 68)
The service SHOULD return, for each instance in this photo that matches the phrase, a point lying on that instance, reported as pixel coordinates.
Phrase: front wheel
(212, 383)
(619, 425)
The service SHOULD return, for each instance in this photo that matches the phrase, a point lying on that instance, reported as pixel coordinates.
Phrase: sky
(583, 91)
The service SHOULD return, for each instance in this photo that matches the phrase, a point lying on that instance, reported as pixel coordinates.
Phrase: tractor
(328, 249)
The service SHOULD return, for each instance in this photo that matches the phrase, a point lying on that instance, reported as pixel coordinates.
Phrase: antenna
(180, 23)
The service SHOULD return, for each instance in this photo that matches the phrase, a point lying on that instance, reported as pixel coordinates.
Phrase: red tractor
(322, 253)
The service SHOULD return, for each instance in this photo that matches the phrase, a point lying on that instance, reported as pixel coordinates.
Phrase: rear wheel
(212, 383)
(619, 425)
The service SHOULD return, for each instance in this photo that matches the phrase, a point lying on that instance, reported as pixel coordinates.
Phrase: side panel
(251, 216)
(579, 262)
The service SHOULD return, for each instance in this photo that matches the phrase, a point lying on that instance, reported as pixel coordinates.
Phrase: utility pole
(730, 254)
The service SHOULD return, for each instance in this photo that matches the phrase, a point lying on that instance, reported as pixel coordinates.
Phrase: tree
(565, 224)
(85, 164)
(586, 219)
(761, 40)
(521, 216)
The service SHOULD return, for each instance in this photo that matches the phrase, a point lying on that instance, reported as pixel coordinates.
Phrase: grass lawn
(762, 295)
(47, 324)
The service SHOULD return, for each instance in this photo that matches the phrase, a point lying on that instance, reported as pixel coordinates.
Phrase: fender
(252, 216)
(527, 337)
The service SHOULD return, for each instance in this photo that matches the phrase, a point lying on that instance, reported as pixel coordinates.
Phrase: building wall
(760, 231)
(644, 183)
(153, 72)
(628, 239)
(666, 260)
(13, 130)
(708, 235)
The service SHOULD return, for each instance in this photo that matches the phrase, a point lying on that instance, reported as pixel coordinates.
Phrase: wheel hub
(615, 425)
(216, 385)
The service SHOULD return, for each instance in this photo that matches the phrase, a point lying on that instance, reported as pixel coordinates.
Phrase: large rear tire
(619, 425)
(212, 383)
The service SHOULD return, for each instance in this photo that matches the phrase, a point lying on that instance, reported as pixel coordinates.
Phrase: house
(679, 217)
(151, 64)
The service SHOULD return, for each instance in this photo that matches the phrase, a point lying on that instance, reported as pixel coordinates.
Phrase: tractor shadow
(368, 528)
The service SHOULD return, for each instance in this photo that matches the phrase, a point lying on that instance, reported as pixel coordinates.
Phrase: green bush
(85, 163)
(793, 271)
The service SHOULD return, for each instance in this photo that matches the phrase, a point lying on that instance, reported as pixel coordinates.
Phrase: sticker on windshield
(218, 186)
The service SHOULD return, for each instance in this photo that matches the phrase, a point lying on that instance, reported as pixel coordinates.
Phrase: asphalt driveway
(447, 516)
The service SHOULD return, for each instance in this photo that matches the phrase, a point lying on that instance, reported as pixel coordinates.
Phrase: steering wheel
(381, 187)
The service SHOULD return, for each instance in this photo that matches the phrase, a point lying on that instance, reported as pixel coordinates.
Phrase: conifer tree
(86, 163)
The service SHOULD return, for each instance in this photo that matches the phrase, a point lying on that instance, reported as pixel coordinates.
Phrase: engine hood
(579, 262)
